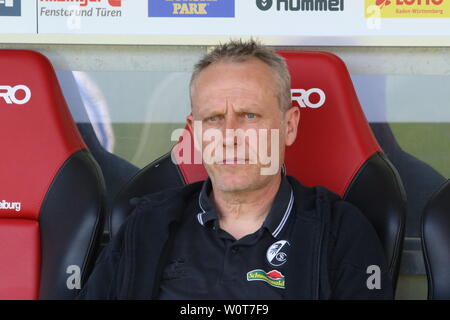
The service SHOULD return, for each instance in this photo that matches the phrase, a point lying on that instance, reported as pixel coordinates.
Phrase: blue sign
(191, 8)
(10, 8)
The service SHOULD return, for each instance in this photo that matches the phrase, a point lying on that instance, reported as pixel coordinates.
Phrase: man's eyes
(213, 118)
(217, 118)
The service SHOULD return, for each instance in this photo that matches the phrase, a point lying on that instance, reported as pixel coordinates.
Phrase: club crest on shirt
(277, 253)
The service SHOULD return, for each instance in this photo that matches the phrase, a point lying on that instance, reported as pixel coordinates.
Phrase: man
(249, 231)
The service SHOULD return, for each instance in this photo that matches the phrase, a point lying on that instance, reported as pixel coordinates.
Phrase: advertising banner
(208, 22)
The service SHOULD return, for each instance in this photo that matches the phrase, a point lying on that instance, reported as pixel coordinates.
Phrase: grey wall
(359, 60)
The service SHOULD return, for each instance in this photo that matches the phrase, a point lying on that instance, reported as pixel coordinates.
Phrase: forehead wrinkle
(240, 94)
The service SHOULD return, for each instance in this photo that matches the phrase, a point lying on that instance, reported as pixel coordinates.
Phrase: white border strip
(411, 41)
(285, 216)
(199, 215)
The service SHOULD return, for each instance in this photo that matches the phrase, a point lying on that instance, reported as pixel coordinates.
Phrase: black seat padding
(159, 175)
(116, 170)
(436, 243)
(419, 179)
(376, 188)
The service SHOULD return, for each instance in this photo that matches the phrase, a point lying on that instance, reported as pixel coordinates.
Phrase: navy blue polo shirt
(206, 262)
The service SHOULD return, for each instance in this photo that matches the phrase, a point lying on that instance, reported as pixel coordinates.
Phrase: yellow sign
(407, 8)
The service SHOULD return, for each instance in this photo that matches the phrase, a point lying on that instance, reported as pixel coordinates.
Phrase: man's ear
(190, 122)
(196, 135)
(291, 118)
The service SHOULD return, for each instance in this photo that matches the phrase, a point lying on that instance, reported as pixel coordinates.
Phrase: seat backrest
(51, 189)
(335, 148)
(436, 243)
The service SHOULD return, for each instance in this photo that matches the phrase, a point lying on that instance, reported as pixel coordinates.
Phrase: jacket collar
(275, 220)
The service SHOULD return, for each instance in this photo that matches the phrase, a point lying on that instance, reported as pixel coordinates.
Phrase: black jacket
(334, 246)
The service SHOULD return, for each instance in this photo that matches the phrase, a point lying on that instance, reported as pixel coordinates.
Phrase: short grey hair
(241, 51)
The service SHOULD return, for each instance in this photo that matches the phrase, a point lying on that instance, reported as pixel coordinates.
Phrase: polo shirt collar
(275, 220)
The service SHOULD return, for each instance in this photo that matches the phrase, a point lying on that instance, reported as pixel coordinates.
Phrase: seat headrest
(334, 138)
(37, 132)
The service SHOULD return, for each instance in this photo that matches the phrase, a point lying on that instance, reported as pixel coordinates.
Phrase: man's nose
(231, 124)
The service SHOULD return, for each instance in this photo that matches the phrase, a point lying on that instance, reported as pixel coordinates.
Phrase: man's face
(241, 97)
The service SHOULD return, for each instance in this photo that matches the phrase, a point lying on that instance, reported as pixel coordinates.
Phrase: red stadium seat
(51, 189)
(335, 148)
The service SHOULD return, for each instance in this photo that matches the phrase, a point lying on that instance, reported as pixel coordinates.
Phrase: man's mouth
(233, 161)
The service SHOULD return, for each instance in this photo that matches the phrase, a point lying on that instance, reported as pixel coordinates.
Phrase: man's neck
(241, 213)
